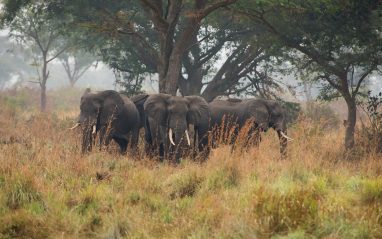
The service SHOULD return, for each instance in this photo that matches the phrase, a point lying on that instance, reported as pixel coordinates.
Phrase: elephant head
(174, 114)
(97, 111)
(270, 114)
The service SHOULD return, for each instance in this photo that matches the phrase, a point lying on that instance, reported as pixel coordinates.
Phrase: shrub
(184, 185)
(370, 134)
(278, 212)
(371, 190)
(20, 190)
(21, 224)
(223, 178)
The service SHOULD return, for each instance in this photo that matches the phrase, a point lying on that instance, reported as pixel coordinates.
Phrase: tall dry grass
(49, 190)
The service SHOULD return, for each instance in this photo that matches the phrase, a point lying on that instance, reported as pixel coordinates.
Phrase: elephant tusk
(188, 138)
(94, 129)
(75, 126)
(170, 135)
(285, 136)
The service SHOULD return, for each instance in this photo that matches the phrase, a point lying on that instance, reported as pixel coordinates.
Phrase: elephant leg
(164, 146)
(254, 137)
(148, 139)
(134, 140)
(122, 144)
(152, 136)
(204, 147)
(102, 133)
(87, 140)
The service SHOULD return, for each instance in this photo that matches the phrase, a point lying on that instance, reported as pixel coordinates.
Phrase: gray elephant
(112, 115)
(167, 121)
(261, 114)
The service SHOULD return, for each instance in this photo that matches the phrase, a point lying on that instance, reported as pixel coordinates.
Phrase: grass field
(49, 190)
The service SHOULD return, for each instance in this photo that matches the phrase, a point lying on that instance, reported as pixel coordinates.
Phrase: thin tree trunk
(351, 121)
(43, 98)
(45, 75)
(72, 82)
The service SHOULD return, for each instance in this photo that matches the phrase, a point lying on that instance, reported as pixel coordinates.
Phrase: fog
(15, 72)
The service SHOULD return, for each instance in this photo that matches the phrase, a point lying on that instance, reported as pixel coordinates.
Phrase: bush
(21, 224)
(184, 185)
(371, 190)
(223, 178)
(21, 190)
(370, 134)
(284, 212)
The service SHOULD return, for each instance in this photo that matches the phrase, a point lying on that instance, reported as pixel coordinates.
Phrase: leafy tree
(337, 42)
(31, 27)
(179, 40)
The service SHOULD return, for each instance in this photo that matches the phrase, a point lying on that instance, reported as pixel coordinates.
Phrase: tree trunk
(172, 76)
(351, 121)
(193, 84)
(45, 75)
(72, 82)
(43, 98)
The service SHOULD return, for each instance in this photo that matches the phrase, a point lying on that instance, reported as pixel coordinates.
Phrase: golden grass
(49, 190)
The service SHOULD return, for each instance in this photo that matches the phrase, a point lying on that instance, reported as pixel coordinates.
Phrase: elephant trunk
(88, 135)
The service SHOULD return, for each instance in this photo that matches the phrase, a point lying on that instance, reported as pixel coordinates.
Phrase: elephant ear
(198, 110)
(110, 104)
(156, 107)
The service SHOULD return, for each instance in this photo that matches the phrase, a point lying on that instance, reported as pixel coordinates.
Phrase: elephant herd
(167, 122)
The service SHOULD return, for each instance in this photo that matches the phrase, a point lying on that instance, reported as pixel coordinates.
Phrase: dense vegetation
(335, 44)
(50, 190)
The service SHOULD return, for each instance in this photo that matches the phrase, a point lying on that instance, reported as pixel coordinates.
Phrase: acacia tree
(340, 42)
(32, 28)
(180, 41)
(170, 25)
(131, 44)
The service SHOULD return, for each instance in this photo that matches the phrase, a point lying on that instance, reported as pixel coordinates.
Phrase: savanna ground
(49, 190)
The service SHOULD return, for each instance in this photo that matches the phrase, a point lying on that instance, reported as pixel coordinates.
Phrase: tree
(75, 65)
(340, 42)
(180, 41)
(31, 27)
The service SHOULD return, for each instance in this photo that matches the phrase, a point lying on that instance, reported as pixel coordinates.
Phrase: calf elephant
(167, 119)
(261, 114)
(111, 114)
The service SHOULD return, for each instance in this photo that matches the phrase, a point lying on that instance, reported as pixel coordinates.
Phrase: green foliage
(21, 190)
(371, 190)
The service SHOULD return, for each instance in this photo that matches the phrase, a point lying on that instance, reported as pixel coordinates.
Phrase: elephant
(260, 114)
(112, 115)
(167, 119)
